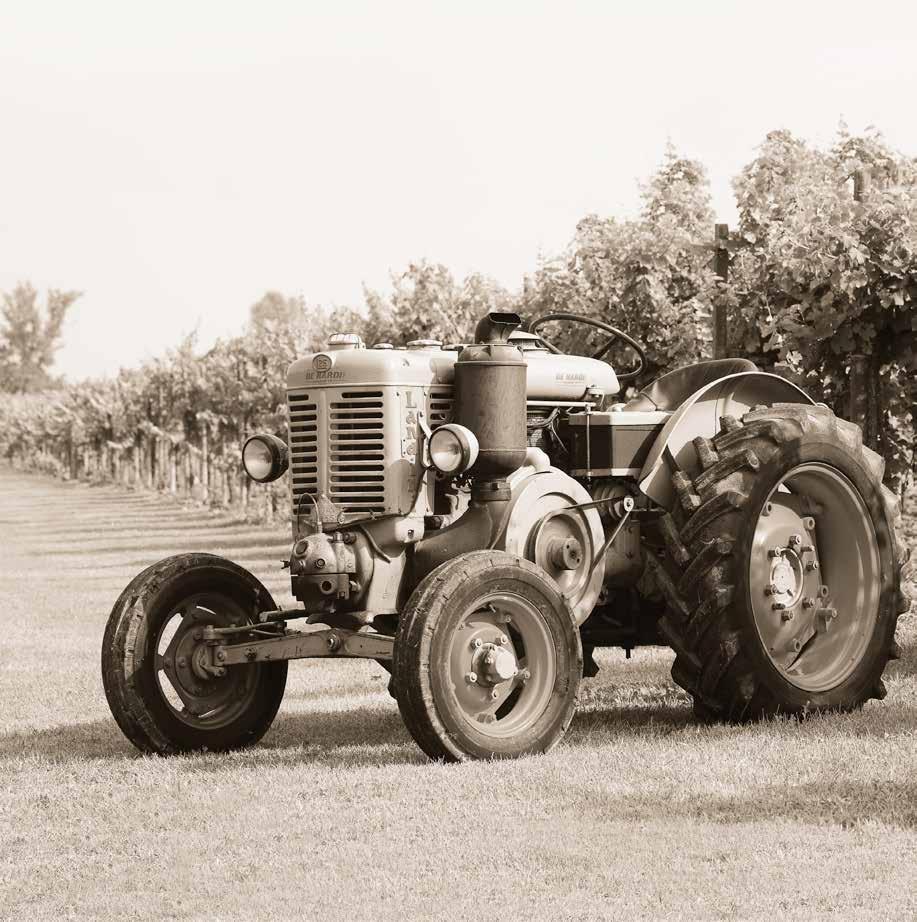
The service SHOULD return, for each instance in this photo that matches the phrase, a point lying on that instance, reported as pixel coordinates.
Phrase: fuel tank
(425, 364)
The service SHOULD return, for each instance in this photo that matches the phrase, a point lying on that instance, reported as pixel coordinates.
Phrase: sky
(175, 160)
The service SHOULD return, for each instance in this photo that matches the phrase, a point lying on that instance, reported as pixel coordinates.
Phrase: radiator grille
(356, 451)
(303, 445)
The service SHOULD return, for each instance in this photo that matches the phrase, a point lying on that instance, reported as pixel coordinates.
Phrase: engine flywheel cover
(543, 528)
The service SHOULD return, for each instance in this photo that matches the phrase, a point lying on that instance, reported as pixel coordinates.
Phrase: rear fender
(699, 415)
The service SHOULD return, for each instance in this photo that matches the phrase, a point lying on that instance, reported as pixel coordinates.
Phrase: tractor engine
(400, 459)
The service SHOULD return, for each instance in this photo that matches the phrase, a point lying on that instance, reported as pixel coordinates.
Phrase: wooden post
(173, 468)
(721, 267)
(862, 180)
(205, 461)
(862, 397)
(859, 370)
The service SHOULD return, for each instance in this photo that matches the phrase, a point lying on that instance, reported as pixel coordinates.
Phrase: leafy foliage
(821, 276)
(29, 336)
(428, 303)
(646, 276)
(817, 276)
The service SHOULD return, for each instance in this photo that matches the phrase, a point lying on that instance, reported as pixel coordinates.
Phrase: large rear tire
(782, 570)
(161, 696)
(487, 659)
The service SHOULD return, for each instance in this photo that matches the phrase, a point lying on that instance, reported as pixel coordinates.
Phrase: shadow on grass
(375, 737)
(627, 721)
(353, 737)
(907, 664)
(248, 555)
(203, 544)
(207, 528)
(831, 802)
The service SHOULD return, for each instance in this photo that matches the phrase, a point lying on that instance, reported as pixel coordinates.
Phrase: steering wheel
(600, 353)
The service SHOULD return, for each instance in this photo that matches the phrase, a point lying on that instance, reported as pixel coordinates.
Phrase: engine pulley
(564, 541)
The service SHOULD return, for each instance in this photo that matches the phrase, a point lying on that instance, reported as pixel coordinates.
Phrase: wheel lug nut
(778, 606)
(807, 549)
(774, 552)
(809, 523)
(495, 694)
(808, 603)
(824, 592)
(786, 616)
(526, 675)
(490, 659)
(770, 589)
(795, 540)
(476, 643)
(812, 565)
(471, 677)
(503, 638)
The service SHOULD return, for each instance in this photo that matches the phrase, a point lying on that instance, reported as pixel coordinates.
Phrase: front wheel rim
(193, 696)
(814, 577)
(502, 665)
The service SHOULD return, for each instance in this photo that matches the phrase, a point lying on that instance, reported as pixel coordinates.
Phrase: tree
(274, 309)
(646, 276)
(427, 303)
(29, 336)
(823, 275)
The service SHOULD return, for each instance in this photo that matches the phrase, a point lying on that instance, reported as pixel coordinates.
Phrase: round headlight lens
(453, 449)
(264, 458)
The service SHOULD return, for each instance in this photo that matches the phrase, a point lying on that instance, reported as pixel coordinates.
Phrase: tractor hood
(347, 362)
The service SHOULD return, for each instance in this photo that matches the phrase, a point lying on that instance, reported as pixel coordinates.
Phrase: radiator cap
(345, 341)
(425, 344)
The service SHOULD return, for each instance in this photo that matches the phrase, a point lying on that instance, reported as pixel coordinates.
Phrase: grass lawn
(639, 813)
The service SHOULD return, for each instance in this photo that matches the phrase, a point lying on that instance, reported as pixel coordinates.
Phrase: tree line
(820, 272)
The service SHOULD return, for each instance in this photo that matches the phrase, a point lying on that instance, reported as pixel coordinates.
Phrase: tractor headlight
(264, 457)
(453, 449)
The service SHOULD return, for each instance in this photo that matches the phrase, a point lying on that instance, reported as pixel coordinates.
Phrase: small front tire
(487, 659)
(157, 687)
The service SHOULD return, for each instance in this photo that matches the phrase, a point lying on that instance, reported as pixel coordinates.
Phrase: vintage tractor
(475, 518)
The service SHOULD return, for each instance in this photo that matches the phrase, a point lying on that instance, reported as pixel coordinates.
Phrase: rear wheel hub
(813, 577)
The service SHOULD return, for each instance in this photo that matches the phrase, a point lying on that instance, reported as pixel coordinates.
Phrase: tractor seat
(670, 391)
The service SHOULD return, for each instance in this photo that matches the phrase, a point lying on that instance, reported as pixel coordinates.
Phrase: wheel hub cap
(787, 577)
(495, 664)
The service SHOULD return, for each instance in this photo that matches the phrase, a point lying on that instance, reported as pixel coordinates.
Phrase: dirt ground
(639, 814)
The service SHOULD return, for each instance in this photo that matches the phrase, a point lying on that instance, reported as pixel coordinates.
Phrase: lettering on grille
(356, 451)
(303, 446)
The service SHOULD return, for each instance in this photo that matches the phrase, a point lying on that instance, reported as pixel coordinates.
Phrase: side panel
(700, 415)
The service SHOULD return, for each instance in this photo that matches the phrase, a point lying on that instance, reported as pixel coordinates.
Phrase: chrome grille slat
(303, 425)
(356, 478)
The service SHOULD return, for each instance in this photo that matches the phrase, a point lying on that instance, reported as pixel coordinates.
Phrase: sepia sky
(174, 160)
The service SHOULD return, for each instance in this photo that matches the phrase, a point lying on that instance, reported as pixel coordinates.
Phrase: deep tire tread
(703, 625)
